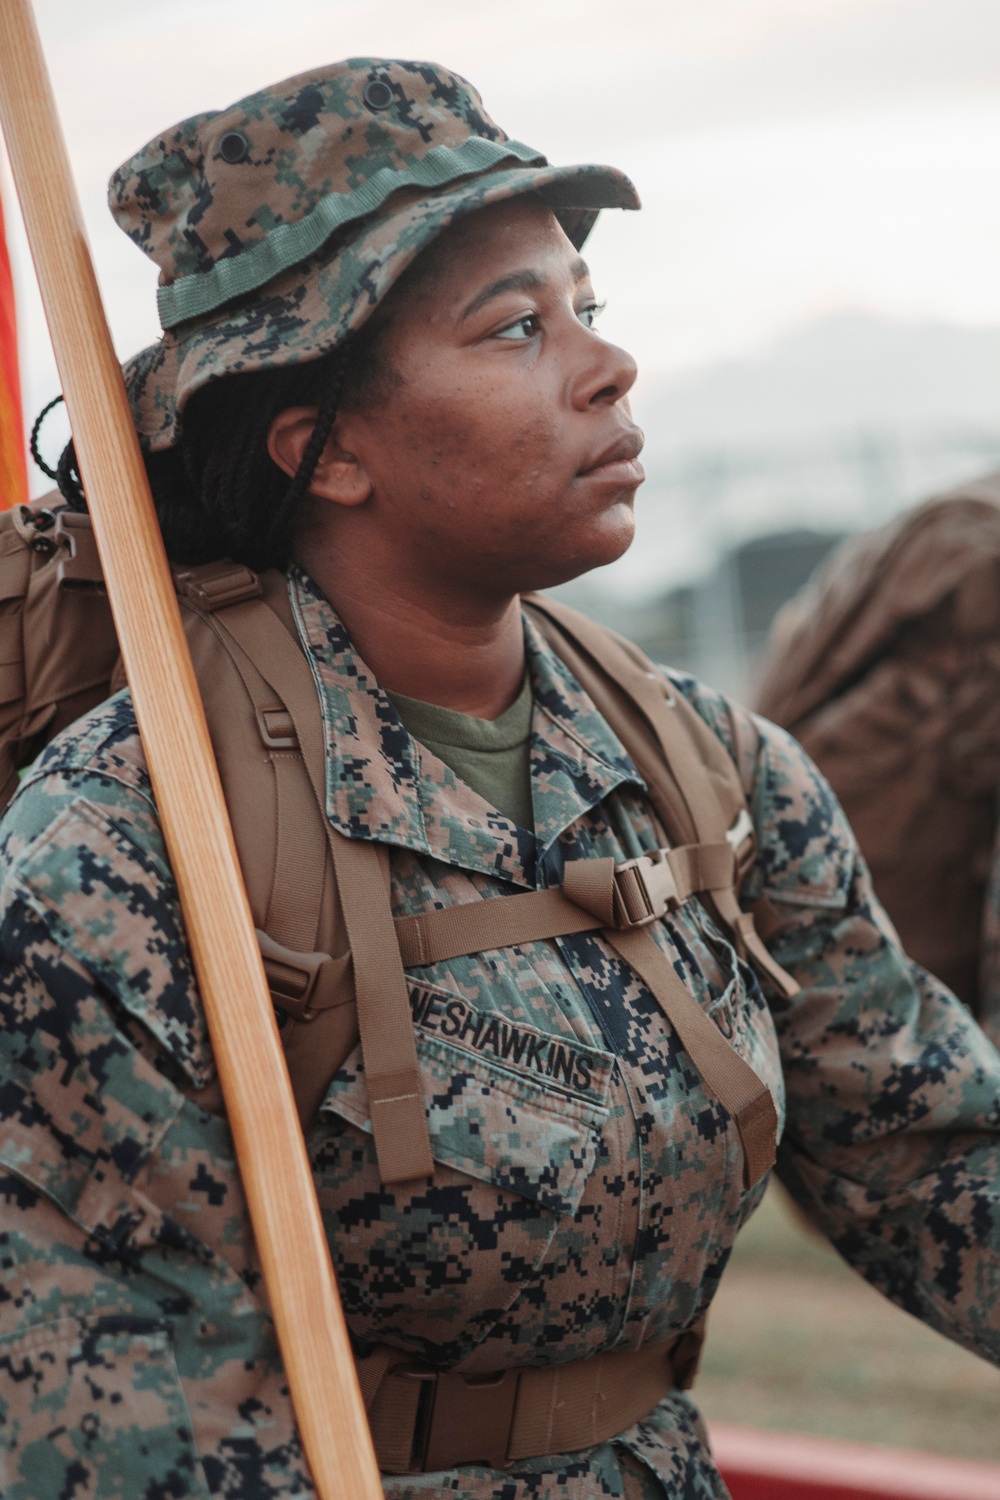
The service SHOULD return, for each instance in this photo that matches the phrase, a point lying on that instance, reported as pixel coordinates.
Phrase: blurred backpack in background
(887, 669)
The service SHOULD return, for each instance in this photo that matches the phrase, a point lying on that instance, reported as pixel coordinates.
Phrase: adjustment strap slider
(645, 889)
(219, 584)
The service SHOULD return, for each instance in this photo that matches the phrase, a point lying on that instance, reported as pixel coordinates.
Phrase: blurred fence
(729, 533)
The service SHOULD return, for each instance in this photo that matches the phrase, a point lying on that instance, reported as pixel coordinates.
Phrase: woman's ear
(338, 475)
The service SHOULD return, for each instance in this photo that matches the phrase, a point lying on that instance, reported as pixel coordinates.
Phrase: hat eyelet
(234, 147)
(378, 94)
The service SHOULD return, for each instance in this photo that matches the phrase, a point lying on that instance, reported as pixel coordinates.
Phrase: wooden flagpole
(269, 1145)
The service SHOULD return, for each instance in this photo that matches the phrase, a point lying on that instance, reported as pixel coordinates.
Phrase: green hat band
(288, 244)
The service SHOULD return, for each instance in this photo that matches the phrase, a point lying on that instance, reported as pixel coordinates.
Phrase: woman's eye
(589, 315)
(524, 328)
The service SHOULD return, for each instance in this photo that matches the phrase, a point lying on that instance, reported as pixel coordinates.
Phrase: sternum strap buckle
(645, 889)
(217, 585)
(649, 887)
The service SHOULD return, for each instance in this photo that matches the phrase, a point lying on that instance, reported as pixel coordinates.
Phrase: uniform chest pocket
(507, 1104)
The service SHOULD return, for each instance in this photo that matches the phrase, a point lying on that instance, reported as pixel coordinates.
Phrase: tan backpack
(334, 956)
(887, 669)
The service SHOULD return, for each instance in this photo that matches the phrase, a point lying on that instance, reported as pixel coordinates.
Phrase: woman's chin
(602, 545)
(610, 540)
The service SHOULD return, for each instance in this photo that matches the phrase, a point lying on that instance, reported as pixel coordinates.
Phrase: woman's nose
(606, 375)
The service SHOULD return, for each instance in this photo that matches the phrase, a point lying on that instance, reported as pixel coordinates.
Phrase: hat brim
(311, 308)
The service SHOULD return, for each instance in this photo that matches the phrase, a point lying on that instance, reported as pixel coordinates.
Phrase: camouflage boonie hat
(278, 224)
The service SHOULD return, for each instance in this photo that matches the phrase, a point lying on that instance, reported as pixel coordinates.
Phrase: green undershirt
(493, 756)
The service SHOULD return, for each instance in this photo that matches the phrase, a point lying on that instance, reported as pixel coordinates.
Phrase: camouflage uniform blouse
(587, 1190)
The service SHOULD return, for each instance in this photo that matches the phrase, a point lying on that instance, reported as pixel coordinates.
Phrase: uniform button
(378, 93)
(234, 147)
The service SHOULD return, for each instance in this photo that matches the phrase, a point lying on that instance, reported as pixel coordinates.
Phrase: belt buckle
(428, 1378)
(463, 1420)
(646, 889)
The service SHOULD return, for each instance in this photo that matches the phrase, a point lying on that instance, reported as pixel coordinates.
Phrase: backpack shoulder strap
(694, 784)
(279, 835)
(272, 677)
(361, 887)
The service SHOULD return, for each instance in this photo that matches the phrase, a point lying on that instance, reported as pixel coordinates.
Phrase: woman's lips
(621, 471)
(619, 463)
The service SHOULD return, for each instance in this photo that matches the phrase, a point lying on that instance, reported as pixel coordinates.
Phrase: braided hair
(218, 493)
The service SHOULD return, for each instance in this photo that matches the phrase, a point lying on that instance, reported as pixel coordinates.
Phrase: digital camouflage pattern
(279, 223)
(587, 1189)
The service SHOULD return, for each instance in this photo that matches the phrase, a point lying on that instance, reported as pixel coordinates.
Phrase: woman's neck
(463, 654)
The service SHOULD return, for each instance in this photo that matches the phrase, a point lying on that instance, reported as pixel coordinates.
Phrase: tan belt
(425, 1420)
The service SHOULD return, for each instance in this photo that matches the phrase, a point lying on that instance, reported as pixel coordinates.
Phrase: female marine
(381, 379)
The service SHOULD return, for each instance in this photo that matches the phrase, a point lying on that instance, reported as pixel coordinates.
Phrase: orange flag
(13, 465)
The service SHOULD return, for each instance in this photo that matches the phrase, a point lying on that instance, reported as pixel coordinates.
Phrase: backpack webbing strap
(299, 885)
(725, 1073)
(388, 1045)
(594, 893)
(480, 926)
(425, 1420)
(385, 1024)
(300, 850)
(291, 920)
(500, 922)
(687, 782)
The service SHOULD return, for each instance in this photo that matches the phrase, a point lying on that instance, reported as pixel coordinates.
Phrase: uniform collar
(381, 785)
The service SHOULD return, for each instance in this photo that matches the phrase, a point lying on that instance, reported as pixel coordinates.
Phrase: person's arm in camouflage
(892, 1140)
(132, 1312)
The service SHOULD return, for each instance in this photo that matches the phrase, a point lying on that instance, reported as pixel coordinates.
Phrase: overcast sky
(795, 157)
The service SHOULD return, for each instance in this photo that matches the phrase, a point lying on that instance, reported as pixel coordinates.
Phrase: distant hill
(833, 428)
(847, 371)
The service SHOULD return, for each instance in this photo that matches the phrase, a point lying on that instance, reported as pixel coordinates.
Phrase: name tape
(542, 1057)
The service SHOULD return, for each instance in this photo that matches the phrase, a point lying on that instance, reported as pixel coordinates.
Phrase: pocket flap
(806, 852)
(506, 1103)
(113, 906)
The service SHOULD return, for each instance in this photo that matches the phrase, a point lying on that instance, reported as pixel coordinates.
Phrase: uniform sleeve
(136, 1351)
(892, 1138)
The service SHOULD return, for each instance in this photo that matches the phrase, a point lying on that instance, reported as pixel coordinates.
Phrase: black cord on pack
(68, 479)
(33, 440)
(66, 474)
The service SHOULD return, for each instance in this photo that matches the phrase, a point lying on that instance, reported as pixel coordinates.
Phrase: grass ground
(799, 1342)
